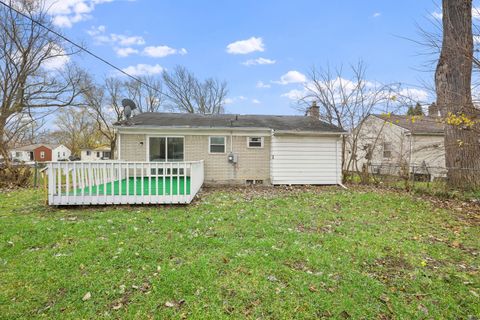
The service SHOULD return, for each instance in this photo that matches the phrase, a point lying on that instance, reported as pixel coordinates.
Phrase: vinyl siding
(306, 160)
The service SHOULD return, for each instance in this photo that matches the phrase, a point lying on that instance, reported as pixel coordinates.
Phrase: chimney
(434, 111)
(313, 111)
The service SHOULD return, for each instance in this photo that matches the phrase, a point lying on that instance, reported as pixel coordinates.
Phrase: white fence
(119, 182)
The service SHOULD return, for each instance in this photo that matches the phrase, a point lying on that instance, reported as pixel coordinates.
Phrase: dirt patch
(389, 268)
(252, 192)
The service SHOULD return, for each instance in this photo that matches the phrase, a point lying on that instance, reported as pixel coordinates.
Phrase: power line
(81, 48)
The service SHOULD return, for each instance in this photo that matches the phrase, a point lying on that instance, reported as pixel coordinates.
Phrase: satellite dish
(128, 107)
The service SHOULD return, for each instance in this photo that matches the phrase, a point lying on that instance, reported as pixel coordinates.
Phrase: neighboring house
(100, 153)
(238, 149)
(40, 153)
(388, 144)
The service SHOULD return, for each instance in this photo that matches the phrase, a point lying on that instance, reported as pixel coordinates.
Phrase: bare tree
(147, 94)
(453, 81)
(29, 88)
(105, 109)
(345, 101)
(76, 129)
(186, 93)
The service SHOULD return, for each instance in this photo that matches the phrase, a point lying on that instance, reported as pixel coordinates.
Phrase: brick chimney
(313, 111)
(435, 111)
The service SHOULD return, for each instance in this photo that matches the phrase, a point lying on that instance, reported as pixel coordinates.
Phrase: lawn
(248, 253)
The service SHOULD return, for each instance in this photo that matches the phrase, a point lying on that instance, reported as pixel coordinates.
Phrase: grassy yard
(319, 253)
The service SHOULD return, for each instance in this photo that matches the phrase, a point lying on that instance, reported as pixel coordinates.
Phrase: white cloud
(294, 94)
(262, 85)
(437, 15)
(376, 14)
(162, 51)
(58, 59)
(246, 46)
(292, 76)
(143, 69)
(125, 52)
(257, 61)
(475, 13)
(68, 12)
(256, 101)
(124, 40)
(101, 37)
(122, 44)
(414, 94)
(235, 99)
(229, 101)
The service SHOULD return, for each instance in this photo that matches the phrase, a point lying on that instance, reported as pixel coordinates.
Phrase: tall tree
(76, 129)
(453, 81)
(415, 111)
(186, 93)
(147, 95)
(345, 99)
(31, 84)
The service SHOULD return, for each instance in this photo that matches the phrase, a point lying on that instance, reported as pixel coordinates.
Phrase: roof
(101, 148)
(32, 147)
(191, 120)
(415, 124)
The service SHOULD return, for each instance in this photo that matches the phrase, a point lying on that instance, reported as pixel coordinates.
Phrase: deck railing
(120, 182)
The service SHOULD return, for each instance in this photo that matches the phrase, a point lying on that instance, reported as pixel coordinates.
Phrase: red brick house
(42, 153)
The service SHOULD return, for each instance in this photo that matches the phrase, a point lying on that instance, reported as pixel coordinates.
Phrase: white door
(306, 160)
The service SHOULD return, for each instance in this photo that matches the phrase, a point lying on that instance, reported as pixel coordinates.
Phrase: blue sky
(250, 43)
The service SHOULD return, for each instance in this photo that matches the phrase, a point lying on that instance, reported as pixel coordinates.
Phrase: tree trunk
(454, 98)
(113, 146)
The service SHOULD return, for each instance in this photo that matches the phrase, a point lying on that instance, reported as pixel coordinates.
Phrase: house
(238, 149)
(40, 153)
(396, 144)
(95, 154)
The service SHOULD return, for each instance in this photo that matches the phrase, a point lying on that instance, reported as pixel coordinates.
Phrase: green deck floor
(113, 188)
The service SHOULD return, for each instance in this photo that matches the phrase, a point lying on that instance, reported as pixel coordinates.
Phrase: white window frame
(261, 143)
(166, 147)
(224, 144)
(42, 154)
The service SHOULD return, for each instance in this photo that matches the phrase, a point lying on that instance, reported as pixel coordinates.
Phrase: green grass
(304, 255)
(135, 187)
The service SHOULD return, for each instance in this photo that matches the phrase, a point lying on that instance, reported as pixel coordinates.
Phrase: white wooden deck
(120, 182)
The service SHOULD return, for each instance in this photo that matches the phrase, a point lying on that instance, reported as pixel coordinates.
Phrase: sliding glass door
(166, 149)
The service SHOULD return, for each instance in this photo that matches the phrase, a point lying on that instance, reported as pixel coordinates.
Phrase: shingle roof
(190, 120)
(415, 124)
(32, 147)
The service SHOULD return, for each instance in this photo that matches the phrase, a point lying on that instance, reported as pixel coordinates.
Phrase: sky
(262, 48)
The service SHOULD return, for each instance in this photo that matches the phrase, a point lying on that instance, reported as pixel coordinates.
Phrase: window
(42, 154)
(216, 144)
(387, 150)
(106, 154)
(58, 154)
(166, 149)
(18, 154)
(255, 142)
(88, 152)
(98, 154)
(64, 153)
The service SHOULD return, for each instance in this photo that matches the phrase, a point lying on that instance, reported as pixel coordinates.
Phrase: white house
(60, 153)
(40, 153)
(238, 149)
(391, 144)
(100, 153)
